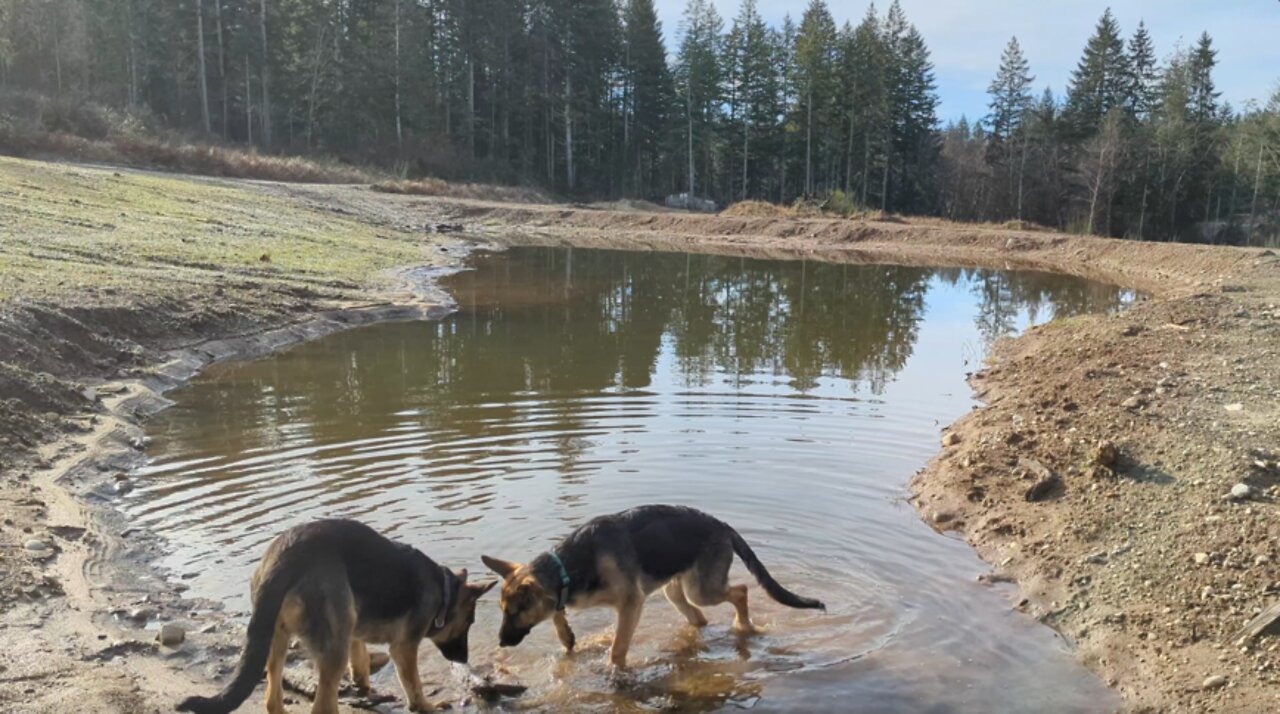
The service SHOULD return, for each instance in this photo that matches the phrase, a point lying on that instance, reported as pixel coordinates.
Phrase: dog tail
(771, 586)
(253, 660)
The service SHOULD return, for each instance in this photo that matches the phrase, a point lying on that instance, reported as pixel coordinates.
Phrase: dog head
(524, 600)
(451, 639)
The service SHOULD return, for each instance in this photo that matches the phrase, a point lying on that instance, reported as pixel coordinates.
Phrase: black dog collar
(450, 584)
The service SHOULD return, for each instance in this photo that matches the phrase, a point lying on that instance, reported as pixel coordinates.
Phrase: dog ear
(481, 588)
(504, 568)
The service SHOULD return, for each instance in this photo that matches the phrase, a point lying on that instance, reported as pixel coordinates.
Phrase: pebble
(950, 439)
(1236, 407)
(1105, 454)
(141, 614)
(1241, 491)
(171, 635)
(36, 545)
(1213, 682)
(1132, 403)
(1200, 558)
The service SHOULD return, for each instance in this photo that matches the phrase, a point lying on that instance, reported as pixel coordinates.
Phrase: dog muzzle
(510, 636)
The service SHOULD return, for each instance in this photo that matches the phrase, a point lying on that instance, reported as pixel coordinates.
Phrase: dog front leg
(564, 631)
(628, 618)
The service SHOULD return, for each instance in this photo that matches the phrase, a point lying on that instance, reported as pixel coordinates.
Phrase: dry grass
(487, 192)
(204, 159)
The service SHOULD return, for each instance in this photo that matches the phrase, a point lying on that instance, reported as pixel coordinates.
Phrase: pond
(791, 399)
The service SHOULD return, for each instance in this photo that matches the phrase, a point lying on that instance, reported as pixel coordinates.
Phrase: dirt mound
(755, 209)
(630, 205)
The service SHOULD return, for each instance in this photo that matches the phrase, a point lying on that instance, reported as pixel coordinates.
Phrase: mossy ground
(68, 231)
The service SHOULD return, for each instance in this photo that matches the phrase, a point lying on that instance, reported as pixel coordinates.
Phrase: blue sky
(966, 38)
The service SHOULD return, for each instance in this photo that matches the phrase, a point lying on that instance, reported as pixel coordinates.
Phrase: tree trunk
(248, 102)
(1257, 182)
(688, 104)
(866, 164)
(204, 81)
(471, 105)
(746, 146)
(1022, 170)
(808, 145)
(266, 80)
(315, 85)
(568, 129)
(399, 126)
(222, 70)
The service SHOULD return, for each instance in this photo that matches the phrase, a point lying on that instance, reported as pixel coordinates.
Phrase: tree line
(581, 96)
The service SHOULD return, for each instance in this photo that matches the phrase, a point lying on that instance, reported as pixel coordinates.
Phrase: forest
(583, 97)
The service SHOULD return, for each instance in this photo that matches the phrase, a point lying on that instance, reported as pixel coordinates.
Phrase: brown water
(791, 399)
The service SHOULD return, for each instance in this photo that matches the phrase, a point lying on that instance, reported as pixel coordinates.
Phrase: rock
(1214, 682)
(171, 635)
(1236, 407)
(122, 487)
(950, 439)
(1200, 558)
(35, 545)
(1133, 403)
(141, 614)
(1241, 492)
(1106, 454)
(1043, 488)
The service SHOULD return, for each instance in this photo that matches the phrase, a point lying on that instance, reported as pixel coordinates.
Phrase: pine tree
(815, 54)
(1144, 73)
(1101, 80)
(698, 83)
(1010, 101)
(912, 112)
(755, 86)
(863, 69)
(1010, 93)
(651, 93)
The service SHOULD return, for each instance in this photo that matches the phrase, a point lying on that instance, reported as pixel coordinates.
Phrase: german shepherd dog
(618, 560)
(338, 585)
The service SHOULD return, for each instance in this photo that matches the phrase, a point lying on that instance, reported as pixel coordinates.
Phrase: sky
(965, 38)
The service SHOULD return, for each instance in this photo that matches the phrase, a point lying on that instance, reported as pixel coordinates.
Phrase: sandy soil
(116, 285)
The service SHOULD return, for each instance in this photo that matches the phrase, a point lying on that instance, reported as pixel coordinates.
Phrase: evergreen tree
(815, 54)
(1101, 80)
(650, 95)
(698, 82)
(754, 90)
(1010, 101)
(912, 113)
(1010, 94)
(863, 68)
(1145, 74)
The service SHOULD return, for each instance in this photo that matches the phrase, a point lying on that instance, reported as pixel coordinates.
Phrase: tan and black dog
(618, 560)
(338, 585)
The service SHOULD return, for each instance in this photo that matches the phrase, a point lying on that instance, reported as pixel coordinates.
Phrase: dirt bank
(117, 284)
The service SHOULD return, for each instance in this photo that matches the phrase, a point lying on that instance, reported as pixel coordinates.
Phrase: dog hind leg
(675, 594)
(360, 665)
(275, 668)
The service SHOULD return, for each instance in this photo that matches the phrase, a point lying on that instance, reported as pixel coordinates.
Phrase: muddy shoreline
(1156, 381)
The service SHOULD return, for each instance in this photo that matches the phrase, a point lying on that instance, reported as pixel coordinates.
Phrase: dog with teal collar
(618, 560)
